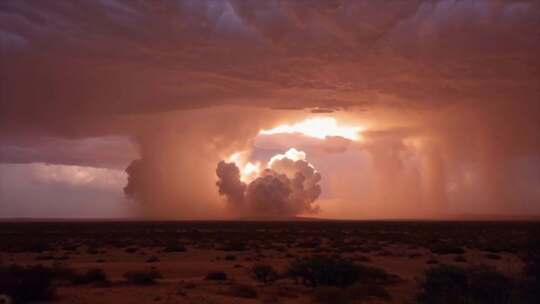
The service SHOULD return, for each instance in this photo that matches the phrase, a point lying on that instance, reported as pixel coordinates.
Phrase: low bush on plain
(234, 246)
(27, 284)
(331, 271)
(352, 294)
(445, 248)
(242, 291)
(264, 273)
(91, 276)
(446, 284)
(175, 248)
(216, 276)
(142, 277)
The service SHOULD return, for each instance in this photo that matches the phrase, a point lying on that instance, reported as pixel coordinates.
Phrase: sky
(191, 109)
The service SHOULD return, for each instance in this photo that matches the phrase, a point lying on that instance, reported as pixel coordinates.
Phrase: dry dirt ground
(184, 253)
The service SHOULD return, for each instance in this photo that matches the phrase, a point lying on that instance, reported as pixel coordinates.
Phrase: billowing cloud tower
(287, 187)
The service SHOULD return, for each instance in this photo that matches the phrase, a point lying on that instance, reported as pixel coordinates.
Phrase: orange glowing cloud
(291, 154)
(248, 170)
(287, 186)
(320, 127)
(251, 170)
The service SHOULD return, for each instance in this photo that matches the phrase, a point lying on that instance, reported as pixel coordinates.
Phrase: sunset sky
(228, 108)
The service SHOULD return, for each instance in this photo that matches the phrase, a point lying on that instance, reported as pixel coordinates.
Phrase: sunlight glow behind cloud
(248, 170)
(291, 154)
(320, 128)
(251, 170)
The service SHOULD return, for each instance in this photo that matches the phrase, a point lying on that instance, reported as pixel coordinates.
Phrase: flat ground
(183, 253)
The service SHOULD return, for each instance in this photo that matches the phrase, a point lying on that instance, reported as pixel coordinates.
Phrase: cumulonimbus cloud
(463, 73)
(287, 187)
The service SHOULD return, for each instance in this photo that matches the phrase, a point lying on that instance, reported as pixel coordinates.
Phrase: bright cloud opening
(291, 154)
(250, 170)
(320, 128)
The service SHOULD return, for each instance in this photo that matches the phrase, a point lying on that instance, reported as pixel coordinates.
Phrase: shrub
(242, 291)
(143, 277)
(362, 291)
(37, 247)
(230, 257)
(131, 249)
(319, 270)
(443, 284)
(62, 272)
(313, 243)
(447, 284)
(4, 299)
(45, 257)
(94, 275)
(70, 247)
(216, 276)
(532, 268)
(445, 248)
(152, 259)
(486, 285)
(94, 251)
(234, 246)
(357, 292)
(530, 287)
(362, 258)
(175, 248)
(27, 284)
(331, 295)
(264, 273)
(460, 259)
(493, 256)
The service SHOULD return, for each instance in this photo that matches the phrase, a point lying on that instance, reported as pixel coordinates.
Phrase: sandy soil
(184, 273)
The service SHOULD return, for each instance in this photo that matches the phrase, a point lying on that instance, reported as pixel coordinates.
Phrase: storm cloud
(448, 90)
(288, 187)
